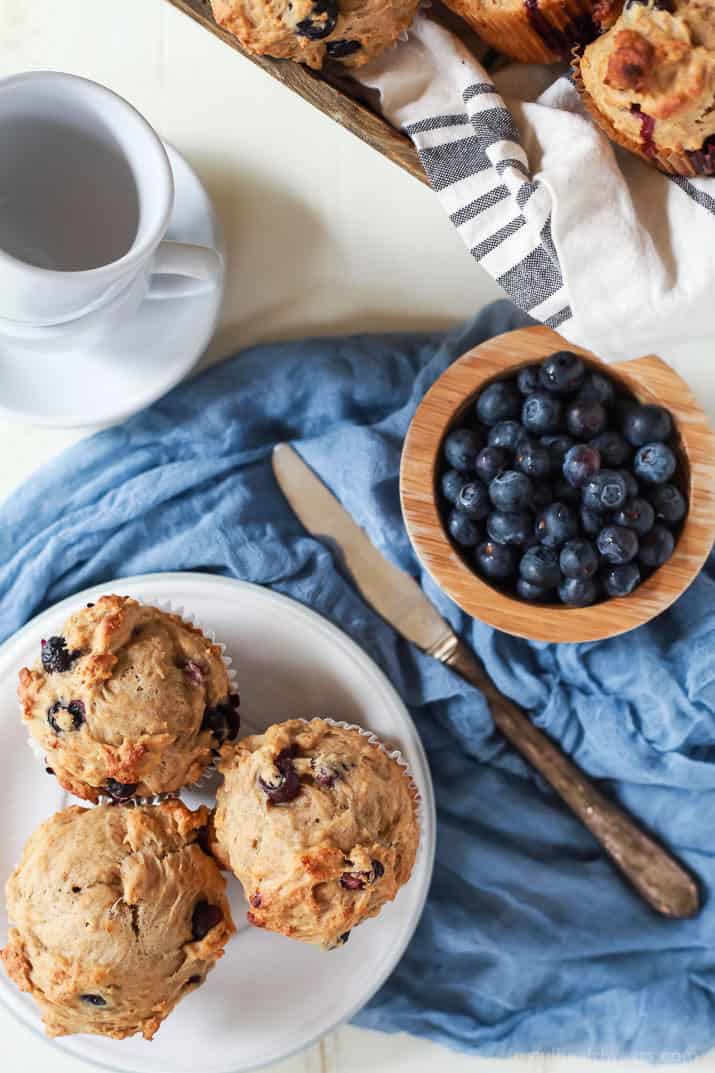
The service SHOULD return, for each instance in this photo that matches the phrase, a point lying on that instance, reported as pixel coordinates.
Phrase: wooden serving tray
(340, 106)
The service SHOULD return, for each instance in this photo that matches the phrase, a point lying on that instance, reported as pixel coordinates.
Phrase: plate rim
(337, 635)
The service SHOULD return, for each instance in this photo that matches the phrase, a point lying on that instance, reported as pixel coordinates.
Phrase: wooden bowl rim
(492, 360)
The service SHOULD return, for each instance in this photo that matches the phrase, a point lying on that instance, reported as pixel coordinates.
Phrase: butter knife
(657, 876)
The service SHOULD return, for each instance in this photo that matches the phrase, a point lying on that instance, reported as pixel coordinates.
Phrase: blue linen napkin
(529, 941)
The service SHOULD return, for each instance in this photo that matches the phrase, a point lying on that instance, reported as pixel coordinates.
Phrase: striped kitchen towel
(584, 237)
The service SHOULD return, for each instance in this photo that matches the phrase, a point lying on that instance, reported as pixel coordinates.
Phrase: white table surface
(325, 236)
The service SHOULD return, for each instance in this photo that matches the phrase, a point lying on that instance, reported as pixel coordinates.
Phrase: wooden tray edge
(350, 113)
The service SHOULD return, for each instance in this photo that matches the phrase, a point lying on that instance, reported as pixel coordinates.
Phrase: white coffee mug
(86, 193)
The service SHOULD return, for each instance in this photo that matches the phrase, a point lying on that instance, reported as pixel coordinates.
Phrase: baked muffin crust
(318, 824)
(128, 700)
(117, 914)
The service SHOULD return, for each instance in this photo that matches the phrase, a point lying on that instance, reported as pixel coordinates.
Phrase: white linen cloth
(585, 237)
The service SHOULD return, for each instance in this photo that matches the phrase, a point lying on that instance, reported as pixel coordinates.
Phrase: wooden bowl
(648, 379)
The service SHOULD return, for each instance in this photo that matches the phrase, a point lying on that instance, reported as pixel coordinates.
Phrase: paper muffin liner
(190, 619)
(544, 33)
(688, 164)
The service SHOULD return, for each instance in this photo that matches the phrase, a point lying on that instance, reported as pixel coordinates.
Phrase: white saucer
(269, 996)
(129, 371)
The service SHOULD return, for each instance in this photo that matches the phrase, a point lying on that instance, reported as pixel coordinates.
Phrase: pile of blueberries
(562, 488)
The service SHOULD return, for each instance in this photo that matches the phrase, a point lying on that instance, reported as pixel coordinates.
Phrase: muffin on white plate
(128, 701)
(117, 913)
(319, 823)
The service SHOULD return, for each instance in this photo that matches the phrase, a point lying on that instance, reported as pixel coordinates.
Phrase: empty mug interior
(81, 179)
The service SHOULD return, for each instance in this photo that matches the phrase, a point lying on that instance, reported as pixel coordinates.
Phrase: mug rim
(139, 249)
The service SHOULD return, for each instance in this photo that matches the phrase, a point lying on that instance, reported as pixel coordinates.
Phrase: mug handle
(183, 270)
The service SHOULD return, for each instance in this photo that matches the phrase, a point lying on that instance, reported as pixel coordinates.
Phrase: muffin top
(127, 700)
(318, 824)
(117, 913)
(653, 74)
(311, 31)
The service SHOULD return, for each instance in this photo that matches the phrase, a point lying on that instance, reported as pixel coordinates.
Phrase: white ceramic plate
(132, 369)
(268, 996)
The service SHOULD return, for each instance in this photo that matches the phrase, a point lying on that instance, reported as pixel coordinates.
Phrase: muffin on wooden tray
(117, 913)
(128, 701)
(311, 31)
(650, 83)
(318, 822)
(537, 31)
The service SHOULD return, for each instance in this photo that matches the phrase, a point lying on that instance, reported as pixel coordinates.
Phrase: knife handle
(657, 876)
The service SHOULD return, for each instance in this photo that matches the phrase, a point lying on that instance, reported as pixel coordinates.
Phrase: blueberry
(342, 939)
(451, 482)
(613, 449)
(646, 424)
(636, 514)
(616, 544)
(533, 593)
(495, 561)
(510, 526)
(315, 28)
(631, 483)
(489, 462)
(542, 494)
(592, 522)
(533, 459)
(506, 435)
(656, 547)
(565, 492)
(541, 413)
(72, 721)
(668, 503)
(563, 373)
(473, 500)
(578, 559)
(463, 529)
(510, 490)
(499, 401)
(337, 50)
(558, 446)
(529, 379)
(598, 387)
(353, 880)
(586, 418)
(578, 592)
(654, 463)
(120, 791)
(556, 524)
(621, 580)
(581, 464)
(193, 980)
(56, 657)
(540, 566)
(93, 1000)
(460, 449)
(607, 491)
(222, 720)
(204, 918)
(288, 785)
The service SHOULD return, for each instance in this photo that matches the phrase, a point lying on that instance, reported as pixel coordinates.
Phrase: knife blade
(662, 881)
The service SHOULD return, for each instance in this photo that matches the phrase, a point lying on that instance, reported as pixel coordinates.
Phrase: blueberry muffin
(650, 83)
(311, 31)
(128, 700)
(318, 824)
(117, 913)
(537, 31)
